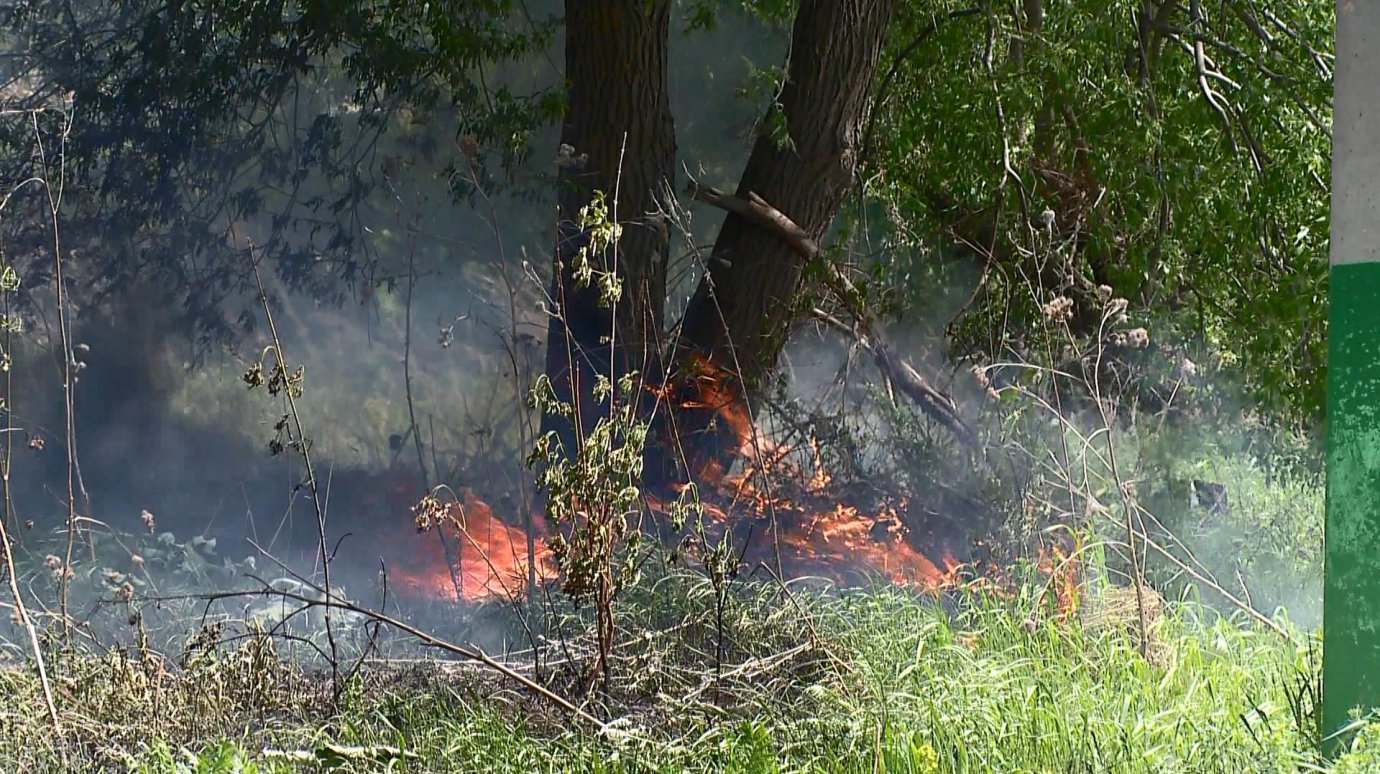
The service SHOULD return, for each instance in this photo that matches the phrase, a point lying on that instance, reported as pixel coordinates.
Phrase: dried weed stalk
(290, 433)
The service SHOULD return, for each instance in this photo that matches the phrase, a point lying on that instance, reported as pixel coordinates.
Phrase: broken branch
(895, 370)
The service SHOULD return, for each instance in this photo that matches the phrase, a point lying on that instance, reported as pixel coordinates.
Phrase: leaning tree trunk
(740, 316)
(618, 138)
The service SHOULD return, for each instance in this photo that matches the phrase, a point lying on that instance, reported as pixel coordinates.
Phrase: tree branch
(897, 371)
(904, 54)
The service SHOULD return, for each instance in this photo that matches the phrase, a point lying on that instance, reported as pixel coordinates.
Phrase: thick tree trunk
(621, 141)
(741, 314)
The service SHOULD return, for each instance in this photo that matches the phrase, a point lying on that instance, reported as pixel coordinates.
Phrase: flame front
(781, 515)
(471, 555)
(486, 559)
(841, 540)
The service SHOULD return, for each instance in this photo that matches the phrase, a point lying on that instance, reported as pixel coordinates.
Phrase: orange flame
(486, 559)
(711, 400)
(798, 523)
(1062, 570)
(472, 556)
(842, 540)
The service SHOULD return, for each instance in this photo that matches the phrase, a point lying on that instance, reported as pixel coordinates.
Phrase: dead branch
(1214, 99)
(472, 654)
(864, 331)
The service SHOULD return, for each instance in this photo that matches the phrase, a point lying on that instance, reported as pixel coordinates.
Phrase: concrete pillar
(1351, 605)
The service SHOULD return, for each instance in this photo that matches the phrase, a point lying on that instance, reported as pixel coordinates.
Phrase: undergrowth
(874, 679)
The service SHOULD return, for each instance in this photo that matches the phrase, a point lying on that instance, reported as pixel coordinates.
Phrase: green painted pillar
(1351, 603)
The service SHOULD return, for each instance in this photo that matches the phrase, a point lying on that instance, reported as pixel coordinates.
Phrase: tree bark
(740, 316)
(864, 329)
(618, 137)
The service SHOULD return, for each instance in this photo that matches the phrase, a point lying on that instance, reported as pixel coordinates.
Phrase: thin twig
(65, 341)
(426, 638)
(407, 363)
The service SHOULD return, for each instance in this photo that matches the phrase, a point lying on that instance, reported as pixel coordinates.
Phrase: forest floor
(861, 681)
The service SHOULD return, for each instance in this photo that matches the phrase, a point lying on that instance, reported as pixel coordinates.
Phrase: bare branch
(933, 402)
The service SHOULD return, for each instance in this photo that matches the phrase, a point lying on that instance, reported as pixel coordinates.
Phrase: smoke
(1262, 544)
(185, 440)
(452, 288)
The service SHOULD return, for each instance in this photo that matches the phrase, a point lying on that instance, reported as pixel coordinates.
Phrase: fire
(1062, 569)
(470, 554)
(842, 538)
(839, 541)
(782, 513)
(712, 411)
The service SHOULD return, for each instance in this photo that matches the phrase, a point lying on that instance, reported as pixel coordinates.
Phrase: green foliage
(189, 126)
(1266, 545)
(222, 757)
(602, 233)
(1076, 168)
(592, 491)
(1363, 754)
(881, 679)
(702, 15)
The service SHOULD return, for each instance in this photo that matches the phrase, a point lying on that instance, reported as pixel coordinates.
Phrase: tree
(618, 143)
(745, 307)
(191, 119)
(1174, 152)
(199, 116)
(1179, 153)
(802, 163)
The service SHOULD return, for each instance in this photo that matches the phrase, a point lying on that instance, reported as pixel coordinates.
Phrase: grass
(864, 681)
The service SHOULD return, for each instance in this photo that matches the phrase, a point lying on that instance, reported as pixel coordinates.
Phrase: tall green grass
(880, 680)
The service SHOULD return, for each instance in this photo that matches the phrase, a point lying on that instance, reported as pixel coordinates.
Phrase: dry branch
(897, 371)
(431, 640)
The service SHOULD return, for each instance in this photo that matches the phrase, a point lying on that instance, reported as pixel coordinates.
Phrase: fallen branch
(473, 654)
(904, 377)
(896, 371)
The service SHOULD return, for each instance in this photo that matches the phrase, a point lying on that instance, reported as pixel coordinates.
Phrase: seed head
(1060, 309)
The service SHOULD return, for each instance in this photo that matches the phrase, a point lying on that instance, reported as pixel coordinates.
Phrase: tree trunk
(621, 141)
(740, 316)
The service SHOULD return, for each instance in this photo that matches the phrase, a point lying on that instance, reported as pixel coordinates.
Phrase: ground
(876, 679)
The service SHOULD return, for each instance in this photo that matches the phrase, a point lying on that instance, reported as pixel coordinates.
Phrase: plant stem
(311, 478)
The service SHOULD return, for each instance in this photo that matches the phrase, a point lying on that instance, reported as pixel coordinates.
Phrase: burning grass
(779, 514)
(470, 553)
(870, 680)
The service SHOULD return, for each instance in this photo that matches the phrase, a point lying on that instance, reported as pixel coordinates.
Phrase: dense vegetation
(874, 680)
(1039, 285)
